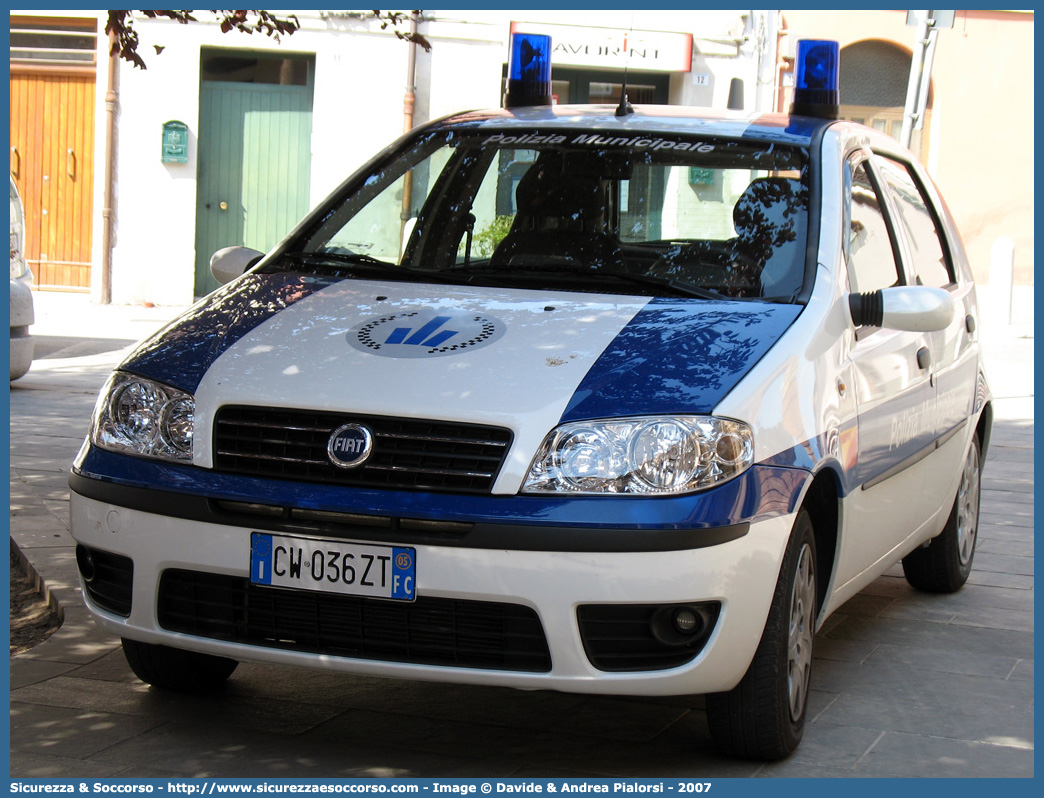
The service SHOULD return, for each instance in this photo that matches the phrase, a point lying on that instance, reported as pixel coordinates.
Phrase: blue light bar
(817, 91)
(529, 70)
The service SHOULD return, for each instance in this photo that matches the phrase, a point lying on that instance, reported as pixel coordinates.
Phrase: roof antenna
(625, 107)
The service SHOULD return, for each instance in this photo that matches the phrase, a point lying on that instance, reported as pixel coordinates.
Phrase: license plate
(333, 566)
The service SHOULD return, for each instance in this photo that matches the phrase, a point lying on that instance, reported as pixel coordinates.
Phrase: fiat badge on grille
(350, 446)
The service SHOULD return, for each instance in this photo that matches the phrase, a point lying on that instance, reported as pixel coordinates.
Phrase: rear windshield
(636, 214)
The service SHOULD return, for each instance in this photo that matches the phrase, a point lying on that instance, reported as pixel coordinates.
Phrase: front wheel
(944, 564)
(176, 669)
(763, 717)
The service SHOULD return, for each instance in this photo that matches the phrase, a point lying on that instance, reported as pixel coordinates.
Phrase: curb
(39, 585)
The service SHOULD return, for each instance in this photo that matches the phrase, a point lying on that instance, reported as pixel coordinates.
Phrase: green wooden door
(252, 167)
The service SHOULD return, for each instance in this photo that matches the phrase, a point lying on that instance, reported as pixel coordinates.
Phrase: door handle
(924, 358)
(16, 161)
(70, 163)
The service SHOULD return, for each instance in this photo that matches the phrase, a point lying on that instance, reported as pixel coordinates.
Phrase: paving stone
(78, 641)
(1015, 548)
(867, 604)
(914, 755)
(26, 671)
(792, 768)
(110, 667)
(1019, 620)
(194, 750)
(43, 729)
(1023, 671)
(930, 635)
(943, 661)
(841, 746)
(972, 598)
(846, 650)
(1002, 563)
(227, 707)
(945, 705)
(44, 766)
(999, 579)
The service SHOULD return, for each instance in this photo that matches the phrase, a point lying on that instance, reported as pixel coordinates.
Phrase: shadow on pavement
(50, 347)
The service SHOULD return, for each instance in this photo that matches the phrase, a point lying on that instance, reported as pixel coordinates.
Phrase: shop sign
(654, 51)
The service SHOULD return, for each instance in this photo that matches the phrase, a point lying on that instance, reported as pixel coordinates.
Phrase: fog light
(85, 562)
(686, 621)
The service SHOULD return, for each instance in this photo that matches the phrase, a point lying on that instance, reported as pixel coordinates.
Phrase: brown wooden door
(52, 161)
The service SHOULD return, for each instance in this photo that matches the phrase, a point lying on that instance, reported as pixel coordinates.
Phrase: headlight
(652, 455)
(140, 416)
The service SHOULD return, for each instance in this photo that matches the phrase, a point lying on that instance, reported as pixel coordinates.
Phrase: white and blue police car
(591, 399)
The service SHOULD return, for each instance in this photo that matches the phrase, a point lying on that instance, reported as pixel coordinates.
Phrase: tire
(175, 669)
(763, 717)
(944, 564)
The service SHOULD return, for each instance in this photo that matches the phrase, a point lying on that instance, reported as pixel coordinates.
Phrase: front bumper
(22, 317)
(739, 574)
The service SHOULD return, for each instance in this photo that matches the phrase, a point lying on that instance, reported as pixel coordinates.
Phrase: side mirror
(913, 308)
(229, 263)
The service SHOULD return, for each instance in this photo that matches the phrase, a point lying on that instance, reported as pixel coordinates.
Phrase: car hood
(525, 360)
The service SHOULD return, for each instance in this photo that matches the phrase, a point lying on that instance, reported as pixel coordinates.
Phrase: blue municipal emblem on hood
(425, 333)
(349, 446)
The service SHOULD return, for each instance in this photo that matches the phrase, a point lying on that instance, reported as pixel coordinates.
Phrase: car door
(931, 260)
(890, 372)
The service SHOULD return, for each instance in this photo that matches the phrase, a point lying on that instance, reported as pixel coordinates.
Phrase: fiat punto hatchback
(581, 398)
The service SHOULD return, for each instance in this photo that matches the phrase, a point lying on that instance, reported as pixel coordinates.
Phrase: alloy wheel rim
(968, 508)
(801, 631)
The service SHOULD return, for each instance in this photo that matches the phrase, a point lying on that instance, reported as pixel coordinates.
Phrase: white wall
(155, 218)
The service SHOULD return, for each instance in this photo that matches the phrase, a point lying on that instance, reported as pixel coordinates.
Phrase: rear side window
(918, 224)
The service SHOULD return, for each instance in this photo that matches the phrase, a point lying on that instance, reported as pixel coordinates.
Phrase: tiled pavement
(906, 684)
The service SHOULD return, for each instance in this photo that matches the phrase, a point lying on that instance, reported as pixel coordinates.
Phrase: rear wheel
(944, 564)
(176, 669)
(763, 717)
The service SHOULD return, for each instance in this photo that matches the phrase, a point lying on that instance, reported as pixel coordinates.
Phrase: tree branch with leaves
(125, 40)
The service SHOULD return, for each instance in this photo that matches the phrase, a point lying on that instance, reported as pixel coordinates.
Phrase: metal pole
(112, 104)
(408, 105)
(913, 86)
(926, 74)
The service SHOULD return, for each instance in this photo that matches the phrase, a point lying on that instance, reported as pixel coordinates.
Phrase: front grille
(407, 453)
(640, 637)
(429, 631)
(108, 579)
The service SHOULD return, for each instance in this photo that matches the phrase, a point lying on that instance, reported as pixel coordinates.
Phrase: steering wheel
(718, 265)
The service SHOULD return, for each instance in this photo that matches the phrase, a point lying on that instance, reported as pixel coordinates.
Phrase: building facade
(977, 141)
(230, 139)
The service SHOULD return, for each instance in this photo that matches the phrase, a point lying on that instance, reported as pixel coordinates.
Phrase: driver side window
(869, 248)
(368, 232)
(495, 205)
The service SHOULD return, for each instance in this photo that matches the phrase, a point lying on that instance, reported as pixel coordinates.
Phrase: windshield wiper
(358, 263)
(685, 289)
(572, 268)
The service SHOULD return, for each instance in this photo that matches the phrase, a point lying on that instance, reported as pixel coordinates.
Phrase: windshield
(642, 214)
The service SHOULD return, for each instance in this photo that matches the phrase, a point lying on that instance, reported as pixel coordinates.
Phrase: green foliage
(486, 240)
(125, 40)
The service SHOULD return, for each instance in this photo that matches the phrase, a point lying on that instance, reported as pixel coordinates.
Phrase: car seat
(768, 218)
(561, 218)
